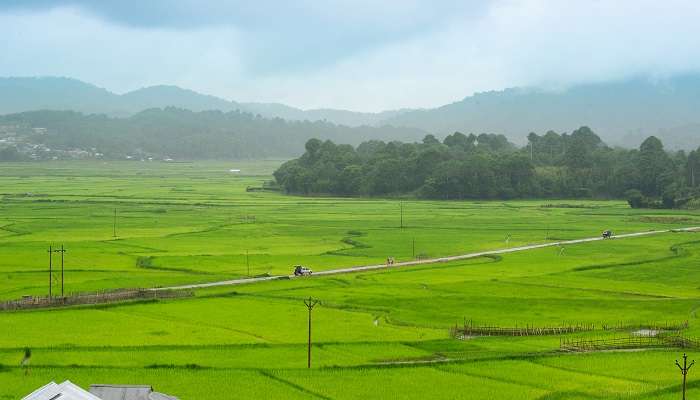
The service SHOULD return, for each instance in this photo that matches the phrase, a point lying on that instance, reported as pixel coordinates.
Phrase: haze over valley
(623, 113)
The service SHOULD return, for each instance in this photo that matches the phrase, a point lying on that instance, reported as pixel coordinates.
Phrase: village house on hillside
(69, 391)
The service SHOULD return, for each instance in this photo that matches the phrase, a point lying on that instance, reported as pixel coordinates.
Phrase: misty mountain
(162, 96)
(341, 117)
(622, 112)
(175, 133)
(678, 137)
(51, 93)
(28, 94)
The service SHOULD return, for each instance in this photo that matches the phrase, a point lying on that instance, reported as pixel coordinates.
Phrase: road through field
(467, 256)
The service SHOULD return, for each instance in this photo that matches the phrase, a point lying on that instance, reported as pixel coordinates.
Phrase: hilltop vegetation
(578, 165)
(170, 133)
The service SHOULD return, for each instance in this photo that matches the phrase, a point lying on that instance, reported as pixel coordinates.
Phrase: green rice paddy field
(382, 334)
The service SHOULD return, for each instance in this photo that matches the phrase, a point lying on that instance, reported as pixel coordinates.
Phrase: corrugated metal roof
(128, 392)
(65, 391)
(161, 396)
(121, 392)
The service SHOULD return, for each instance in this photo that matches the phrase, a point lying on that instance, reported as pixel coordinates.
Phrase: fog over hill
(65, 94)
(621, 112)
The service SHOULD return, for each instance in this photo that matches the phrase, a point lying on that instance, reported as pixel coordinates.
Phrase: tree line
(488, 166)
(178, 133)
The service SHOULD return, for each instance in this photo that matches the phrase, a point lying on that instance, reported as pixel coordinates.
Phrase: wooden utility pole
(684, 370)
(50, 270)
(62, 251)
(692, 176)
(310, 304)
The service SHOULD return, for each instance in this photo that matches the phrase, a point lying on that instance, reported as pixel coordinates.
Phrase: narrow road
(349, 270)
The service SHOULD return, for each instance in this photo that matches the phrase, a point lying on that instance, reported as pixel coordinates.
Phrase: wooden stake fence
(470, 330)
(631, 342)
(30, 302)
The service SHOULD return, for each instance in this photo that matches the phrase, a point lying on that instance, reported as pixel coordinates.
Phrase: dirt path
(348, 270)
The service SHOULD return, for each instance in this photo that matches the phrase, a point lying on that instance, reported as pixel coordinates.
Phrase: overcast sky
(365, 55)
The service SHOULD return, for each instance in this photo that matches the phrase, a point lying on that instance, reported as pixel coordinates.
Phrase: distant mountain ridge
(161, 96)
(66, 94)
(622, 112)
(340, 117)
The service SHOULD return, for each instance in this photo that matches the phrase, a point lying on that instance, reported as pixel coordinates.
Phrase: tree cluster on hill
(180, 134)
(553, 165)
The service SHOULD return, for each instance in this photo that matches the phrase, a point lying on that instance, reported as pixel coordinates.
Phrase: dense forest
(172, 133)
(553, 165)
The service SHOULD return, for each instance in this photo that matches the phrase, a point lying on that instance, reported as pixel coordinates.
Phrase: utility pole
(62, 251)
(692, 176)
(50, 270)
(310, 304)
(114, 225)
(684, 370)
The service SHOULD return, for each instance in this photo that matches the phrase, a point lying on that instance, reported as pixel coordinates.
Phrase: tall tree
(693, 169)
(655, 167)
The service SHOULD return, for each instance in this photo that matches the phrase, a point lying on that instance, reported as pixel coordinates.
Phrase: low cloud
(349, 55)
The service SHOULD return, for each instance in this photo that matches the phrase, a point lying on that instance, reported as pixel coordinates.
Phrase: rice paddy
(382, 334)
